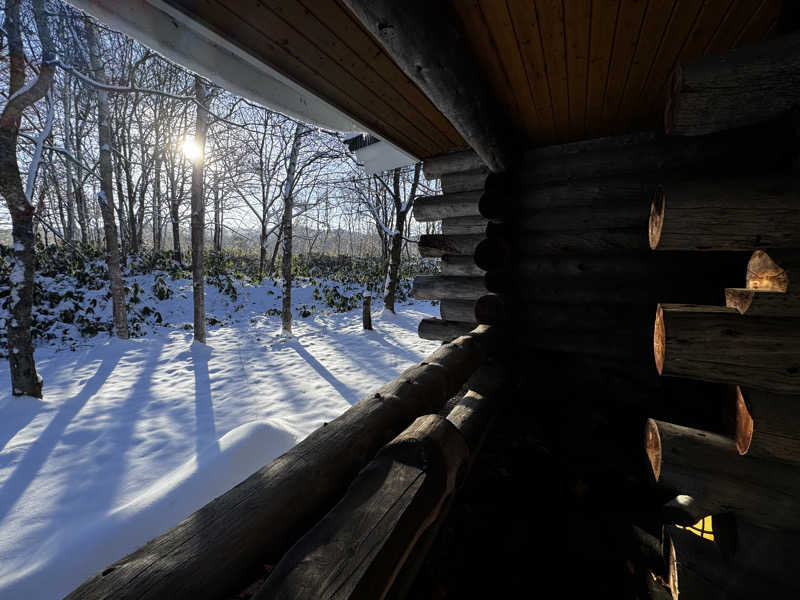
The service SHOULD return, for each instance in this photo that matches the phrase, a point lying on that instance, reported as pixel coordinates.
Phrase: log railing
(218, 549)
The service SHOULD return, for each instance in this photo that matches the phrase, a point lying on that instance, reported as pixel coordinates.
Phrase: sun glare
(191, 149)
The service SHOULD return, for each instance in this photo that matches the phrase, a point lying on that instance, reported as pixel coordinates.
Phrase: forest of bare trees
(105, 144)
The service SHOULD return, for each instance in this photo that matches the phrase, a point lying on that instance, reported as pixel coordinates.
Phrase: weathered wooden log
(446, 206)
(460, 266)
(451, 162)
(764, 147)
(622, 342)
(437, 329)
(773, 271)
(211, 552)
(421, 38)
(580, 218)
(489, 310)
(765, 567)
(708, 467)
(436, 245)
(464, 182)
(458, 310)
(439, 287)
(726, 214)
(493, 254)
(358, 548)
(584, 317)
(767, 425)
(713, 343)
(740, 87)
(464, 225)
(763, 303)
(597, 241)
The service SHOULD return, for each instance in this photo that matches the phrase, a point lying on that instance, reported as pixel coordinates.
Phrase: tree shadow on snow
(206, 430)
(27, 469)
(17, 412)
(346, 392)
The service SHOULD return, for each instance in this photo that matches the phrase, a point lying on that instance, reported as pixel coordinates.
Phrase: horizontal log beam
(458, 310)
(437, 245)
(460, 266)
(210, 553)
(439, 287)
(464, 225)
(718, 344)
(597, 241)
(740, 87)
(464, 182)
(425, 40)
(708, 467)
(446, 206)
(767, 425)
(437, 329)
(726, 214)
(451, 162)
(489, 310)
(358, 548)
(493, 254)
(763, 303)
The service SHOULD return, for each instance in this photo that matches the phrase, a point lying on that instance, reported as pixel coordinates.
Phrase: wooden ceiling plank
(756, 30)
(478, 36)
(321, 36)
(550, 14)
(577, 20)
(603, 30)
(355, 35)
(283, 56)
(626, 38)
(732, 26)
(497, 19)
(657, 18)
(685, 16)
(526, 29)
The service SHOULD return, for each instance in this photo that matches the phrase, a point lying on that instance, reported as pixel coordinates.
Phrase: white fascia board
(381, 156)
(177, 37)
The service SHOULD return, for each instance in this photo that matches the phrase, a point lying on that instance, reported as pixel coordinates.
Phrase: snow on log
(740, 87)
(708, 467)
(718, 344)
(726, 214)
(210, 553)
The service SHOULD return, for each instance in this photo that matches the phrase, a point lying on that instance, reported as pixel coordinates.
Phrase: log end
(652, 446)
(763, 273)
(659, 340)
(744, 424)
(656, 217)
(491, 207)
(673, 97)
(671, 558)
(739, 298)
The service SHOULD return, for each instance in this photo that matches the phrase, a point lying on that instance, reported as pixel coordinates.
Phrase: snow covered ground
(133, 436)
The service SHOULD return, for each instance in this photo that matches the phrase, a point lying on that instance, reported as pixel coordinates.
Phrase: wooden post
(732, 214)
(713, 343)
(708, 467)
(211, 552)
(739, 87)
(366, 315)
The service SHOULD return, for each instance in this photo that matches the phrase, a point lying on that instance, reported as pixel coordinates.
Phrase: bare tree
(286, 228)
(199, 210)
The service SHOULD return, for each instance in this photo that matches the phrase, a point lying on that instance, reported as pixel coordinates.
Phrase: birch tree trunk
(157, 202)
(106, 195)
(24, 379)
(199, 211)
(286, 227)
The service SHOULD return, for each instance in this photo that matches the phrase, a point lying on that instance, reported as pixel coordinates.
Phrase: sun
(191, 149)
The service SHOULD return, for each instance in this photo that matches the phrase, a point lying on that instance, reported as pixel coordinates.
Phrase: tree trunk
(157, 205)
(24, 379)
(218, 218)
(199, 212)
(106, 195)
(402, 206)
(286, 226)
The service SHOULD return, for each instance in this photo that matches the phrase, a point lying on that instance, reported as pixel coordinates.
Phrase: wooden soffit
(562, 70)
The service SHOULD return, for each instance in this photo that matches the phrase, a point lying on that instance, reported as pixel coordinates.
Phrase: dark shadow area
(348, 393)
(206, 430)
(36, 455)
(17, 413)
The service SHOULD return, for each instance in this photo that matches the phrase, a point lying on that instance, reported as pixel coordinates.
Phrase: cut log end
(744, 423)
(673, 94)
(652, 446)
(659, 340)
(656, 217)
(763, 273)
(739, 298)
(672, 567)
